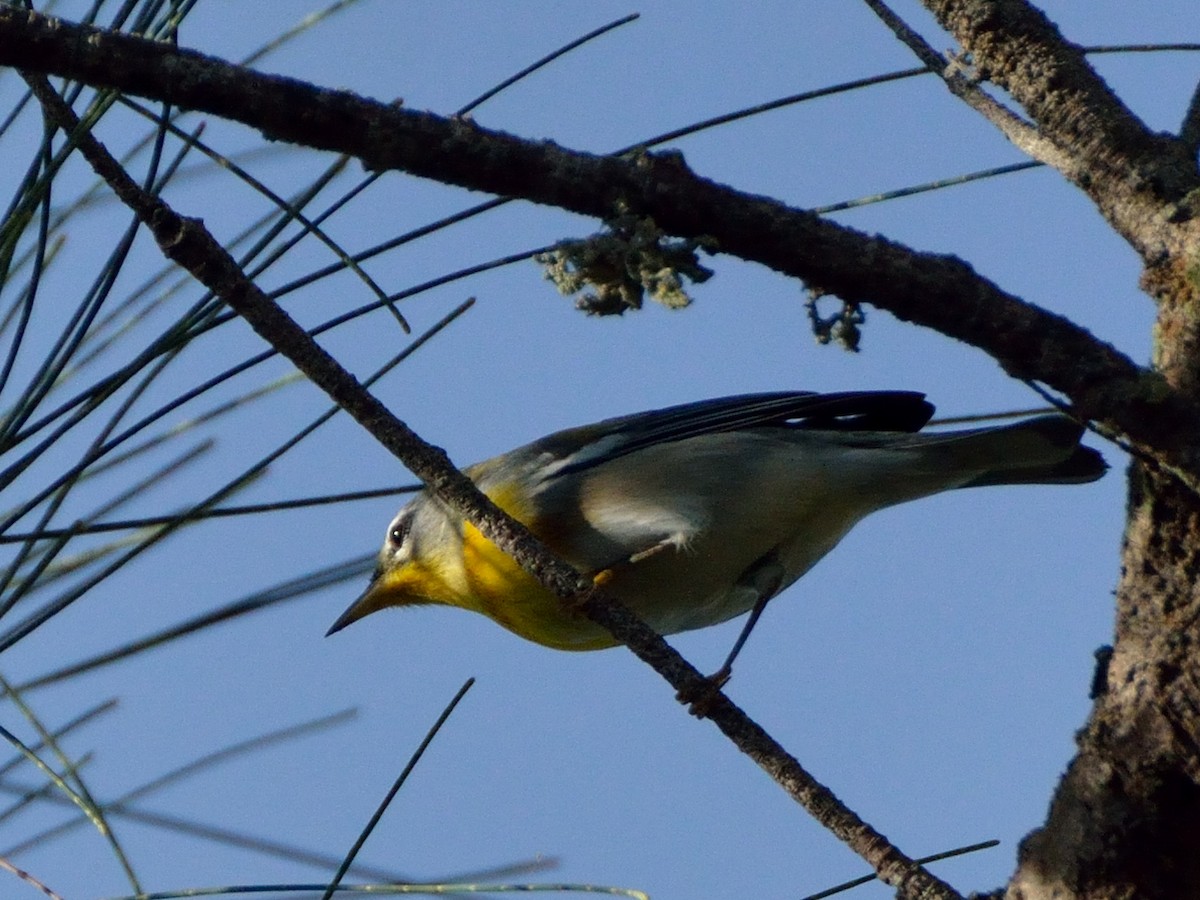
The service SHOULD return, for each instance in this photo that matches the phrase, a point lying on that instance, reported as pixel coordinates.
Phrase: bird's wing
(578, 449)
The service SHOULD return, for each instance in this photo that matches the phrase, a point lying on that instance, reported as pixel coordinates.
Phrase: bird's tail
(1043, 450)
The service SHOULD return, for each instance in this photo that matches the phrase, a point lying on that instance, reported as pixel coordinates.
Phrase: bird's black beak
(367, 603)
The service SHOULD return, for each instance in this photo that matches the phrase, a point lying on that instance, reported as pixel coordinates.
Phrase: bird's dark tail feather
(1045, 450)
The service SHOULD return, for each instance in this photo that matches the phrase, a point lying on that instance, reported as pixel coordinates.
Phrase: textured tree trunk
(1125, 820)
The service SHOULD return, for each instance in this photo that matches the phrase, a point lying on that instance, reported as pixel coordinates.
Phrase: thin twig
(93, 811)
(545, 61)
(937, 185)
(28, 879)
(213, 833)
(415, 758)
(85, 804)
(124, 802)
(219, 512)
(924, 860)
(83, 718)
(288, 590)
(391, 888)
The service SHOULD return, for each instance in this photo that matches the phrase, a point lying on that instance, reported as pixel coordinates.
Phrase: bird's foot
(701, 696)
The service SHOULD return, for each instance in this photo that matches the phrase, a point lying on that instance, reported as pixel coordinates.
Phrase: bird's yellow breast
(499, 588)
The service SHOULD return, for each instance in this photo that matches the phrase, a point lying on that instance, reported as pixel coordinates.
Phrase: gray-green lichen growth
(843, 327)
(615, 269)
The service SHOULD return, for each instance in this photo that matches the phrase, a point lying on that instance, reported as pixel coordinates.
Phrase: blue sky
(931, 670)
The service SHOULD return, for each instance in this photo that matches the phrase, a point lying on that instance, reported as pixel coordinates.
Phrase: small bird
(694, 514)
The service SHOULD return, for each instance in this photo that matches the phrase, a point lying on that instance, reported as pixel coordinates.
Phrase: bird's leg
(653, 550)
(722, 675)
(765, 578)
(606, 574)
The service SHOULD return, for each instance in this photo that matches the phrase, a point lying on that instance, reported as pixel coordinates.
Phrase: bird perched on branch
(695, 514)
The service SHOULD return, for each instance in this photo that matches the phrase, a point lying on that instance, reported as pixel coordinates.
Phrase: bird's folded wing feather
(578, 449)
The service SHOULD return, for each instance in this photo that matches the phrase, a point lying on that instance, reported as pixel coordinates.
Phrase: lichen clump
(613, 271)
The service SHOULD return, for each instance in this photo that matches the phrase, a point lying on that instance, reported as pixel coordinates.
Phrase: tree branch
(1140, 180)
(1023, 135)
(1146, 185)
(188, 243)
(939, 292)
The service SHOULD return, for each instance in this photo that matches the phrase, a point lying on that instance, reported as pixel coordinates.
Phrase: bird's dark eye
(399, 532)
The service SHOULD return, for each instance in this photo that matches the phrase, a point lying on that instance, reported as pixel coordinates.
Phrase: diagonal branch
(1145, 184)
(938, 292)
(1139, 179)
(1024, 136)
(189, 244)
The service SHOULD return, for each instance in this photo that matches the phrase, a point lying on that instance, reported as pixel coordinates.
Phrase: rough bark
(1124, 820)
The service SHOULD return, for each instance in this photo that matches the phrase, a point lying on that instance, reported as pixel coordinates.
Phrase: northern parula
(698, 513)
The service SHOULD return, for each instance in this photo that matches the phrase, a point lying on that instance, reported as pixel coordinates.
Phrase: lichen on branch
(842, 326)
(613, 270)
